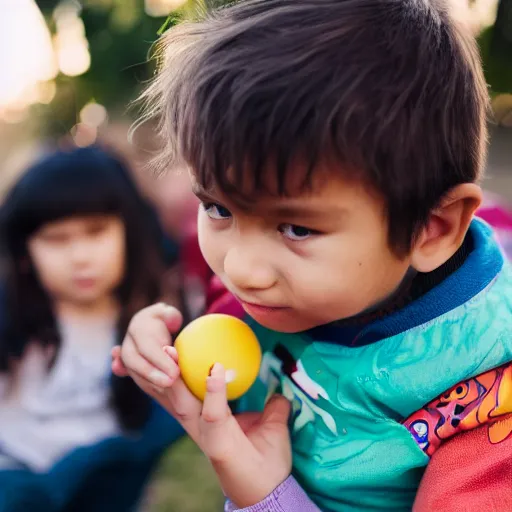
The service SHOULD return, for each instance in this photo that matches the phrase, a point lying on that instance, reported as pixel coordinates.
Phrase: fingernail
(168, 310)
(170, 351)
(160, 378)
(230, 376)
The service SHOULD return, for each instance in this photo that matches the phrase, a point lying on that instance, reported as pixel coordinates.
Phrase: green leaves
(496, 48)
(173, 19)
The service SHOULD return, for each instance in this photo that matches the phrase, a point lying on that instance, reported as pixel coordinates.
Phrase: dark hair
(391, 91)
(65, 184)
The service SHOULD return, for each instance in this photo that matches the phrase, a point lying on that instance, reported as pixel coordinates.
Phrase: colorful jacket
(469, 439)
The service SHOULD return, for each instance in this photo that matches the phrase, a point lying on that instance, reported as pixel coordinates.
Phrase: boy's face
(301, 261)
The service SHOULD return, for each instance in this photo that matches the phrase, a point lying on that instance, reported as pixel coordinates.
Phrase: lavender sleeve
(288, 497)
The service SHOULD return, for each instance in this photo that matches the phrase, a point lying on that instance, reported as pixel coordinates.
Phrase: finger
(185, 408)
(247, 420)
(150, 389)
(277, 410)
(221, 437)
(148, 341)
(172, 353)
(178, 401)
(173, 319)
(118, 368)
(139, 365)
(215, 404)
(169, 314)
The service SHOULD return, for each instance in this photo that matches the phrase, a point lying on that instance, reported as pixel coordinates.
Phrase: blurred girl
(81, 258)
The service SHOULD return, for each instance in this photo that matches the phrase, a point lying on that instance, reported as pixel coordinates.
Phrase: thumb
(215, 404)
(220, 433)
(277, 410)
(247, 420)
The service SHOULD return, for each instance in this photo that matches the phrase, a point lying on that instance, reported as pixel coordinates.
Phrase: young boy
(336, 146)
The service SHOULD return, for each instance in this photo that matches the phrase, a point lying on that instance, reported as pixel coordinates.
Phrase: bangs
(253, 141)
(259, 95)
(250, 161)
(232, 114)
(84, 182)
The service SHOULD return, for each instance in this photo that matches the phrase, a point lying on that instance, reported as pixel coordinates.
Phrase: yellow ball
(220, 339)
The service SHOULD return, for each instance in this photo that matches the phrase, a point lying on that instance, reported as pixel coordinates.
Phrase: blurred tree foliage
(120, 36)
(496, 47)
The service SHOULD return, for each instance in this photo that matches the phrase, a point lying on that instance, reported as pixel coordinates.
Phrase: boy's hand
(250, 453)
(140, 355)
(147, 356)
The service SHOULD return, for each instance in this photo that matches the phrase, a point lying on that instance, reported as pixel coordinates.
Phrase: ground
(184, 482)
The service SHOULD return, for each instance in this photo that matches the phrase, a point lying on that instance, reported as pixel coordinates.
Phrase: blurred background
(68, 72)
(71, 68)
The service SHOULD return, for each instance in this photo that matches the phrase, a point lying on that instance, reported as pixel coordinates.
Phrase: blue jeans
(107, 477)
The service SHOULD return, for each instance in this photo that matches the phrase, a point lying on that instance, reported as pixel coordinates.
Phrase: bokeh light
(93, 114)
(162, 7)
(71, 45)
(27, 57)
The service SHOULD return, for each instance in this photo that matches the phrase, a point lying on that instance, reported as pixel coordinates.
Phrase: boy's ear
(446, 228)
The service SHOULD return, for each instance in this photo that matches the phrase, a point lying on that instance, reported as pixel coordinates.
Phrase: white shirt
(46, 414)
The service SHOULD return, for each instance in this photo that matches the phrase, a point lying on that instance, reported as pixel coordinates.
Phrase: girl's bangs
(83, 182)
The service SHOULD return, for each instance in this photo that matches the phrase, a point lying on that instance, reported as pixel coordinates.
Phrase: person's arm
(288, 497)
(470, 472)
(467, 432)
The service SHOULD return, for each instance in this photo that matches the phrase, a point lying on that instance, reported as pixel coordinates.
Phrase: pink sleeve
(288, 497)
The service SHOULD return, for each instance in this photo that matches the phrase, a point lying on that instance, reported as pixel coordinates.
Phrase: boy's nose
(247, 271)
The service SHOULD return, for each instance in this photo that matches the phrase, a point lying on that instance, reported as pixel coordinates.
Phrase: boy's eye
(295, 233)
(216, 211)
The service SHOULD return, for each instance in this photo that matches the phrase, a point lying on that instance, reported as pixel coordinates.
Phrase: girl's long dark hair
(65, 184)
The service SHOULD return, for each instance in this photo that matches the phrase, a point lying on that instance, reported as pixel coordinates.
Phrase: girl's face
(80, 260)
